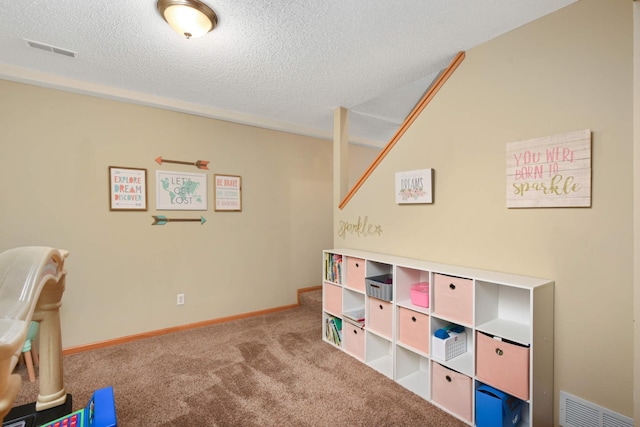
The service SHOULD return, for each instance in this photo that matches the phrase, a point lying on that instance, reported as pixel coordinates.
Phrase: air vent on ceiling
(52, 49)
(576, 412)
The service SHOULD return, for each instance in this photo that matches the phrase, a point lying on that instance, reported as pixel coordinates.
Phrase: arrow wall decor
(162, 220)
(200, 164)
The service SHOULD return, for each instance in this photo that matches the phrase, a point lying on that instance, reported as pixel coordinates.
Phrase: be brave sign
(553, 171)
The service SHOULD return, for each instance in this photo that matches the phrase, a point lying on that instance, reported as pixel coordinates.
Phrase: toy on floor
(99, 412)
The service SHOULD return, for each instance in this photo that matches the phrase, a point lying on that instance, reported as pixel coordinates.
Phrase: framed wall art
(551, 171)
(127, 189)
(414, 186)
(181, 191)
(227, 193)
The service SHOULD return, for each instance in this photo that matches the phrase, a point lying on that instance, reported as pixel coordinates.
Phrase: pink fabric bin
(355, 273)
(380, 317)
(452, 390)
(332, 298)
(420, 294)
(413, 329)
(353, 338)
(503, 365)
(453, 298)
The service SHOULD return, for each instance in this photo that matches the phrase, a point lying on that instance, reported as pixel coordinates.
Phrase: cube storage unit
(392, 329)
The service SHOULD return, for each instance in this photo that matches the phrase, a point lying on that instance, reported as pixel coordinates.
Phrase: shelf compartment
(452, 391)
(405, 278)
(412, 372)
(413, 329)
(463, 363)
(503, 365)
(380, 317)
(380, 287)
(353, 338)
(379, 354)
(513, 331)
(333, 268)
(355, 274)
(332, 298)
(453, 298)
(328, 333)
(375, 268)
(504, 311)
(524, 421)
(480, 400)
(352, 301)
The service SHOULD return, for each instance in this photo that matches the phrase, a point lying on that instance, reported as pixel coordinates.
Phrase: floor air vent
(52, 49)
(576, 412)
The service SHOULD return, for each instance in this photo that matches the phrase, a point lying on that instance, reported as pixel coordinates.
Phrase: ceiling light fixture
(189, 18)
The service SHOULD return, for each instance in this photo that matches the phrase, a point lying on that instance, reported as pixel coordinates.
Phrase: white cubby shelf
(507, 321)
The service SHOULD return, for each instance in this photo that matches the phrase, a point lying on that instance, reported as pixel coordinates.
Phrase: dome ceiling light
(189, 18)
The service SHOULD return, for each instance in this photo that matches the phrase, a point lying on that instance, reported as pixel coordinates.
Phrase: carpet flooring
(269, 370)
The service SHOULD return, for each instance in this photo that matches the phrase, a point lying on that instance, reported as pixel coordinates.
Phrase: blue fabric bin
(495, 408)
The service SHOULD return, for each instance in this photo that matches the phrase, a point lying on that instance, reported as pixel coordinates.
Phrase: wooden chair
(29, 351)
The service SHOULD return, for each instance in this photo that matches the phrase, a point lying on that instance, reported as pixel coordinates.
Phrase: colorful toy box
(99, 412)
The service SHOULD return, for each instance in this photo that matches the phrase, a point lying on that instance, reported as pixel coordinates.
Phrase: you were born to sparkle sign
(552, 171)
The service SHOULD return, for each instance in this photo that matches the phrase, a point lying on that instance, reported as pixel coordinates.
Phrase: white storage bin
(448, 348)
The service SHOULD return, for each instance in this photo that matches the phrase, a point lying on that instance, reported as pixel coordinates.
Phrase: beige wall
(124, 273)
(360, 158)
(569, 71)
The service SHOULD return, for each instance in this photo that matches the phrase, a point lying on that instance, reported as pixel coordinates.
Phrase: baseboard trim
(135, 337)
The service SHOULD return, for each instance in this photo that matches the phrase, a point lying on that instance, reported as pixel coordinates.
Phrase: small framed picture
(181, 191)
(127, 189)
(227, 193)
(414, 186)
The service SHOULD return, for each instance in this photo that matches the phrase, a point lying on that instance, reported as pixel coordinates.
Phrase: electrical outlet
(180, 299)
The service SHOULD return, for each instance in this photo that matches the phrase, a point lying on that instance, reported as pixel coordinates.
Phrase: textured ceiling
(282, 65)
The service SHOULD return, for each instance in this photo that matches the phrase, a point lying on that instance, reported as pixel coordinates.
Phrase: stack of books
(333, 331)
(333, 268)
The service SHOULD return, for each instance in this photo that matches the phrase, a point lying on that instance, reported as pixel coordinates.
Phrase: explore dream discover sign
(127, 188)
(553, 171)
